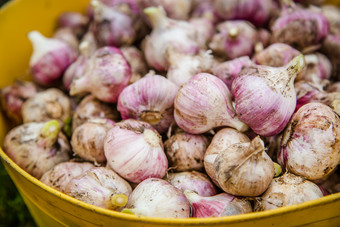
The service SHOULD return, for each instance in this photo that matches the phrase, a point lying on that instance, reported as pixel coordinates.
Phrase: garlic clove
(218, 205)
(204, 103)
(49, 59)
(244, 169)
(310, 143)
(264, 96)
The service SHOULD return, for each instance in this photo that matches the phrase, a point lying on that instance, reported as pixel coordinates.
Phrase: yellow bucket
(52, 208)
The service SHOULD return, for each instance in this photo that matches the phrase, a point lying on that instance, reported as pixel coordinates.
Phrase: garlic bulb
(76, 22)
(331, 47)
(276, 55)
(60, 175)
(49, 59)
(220, 142)
(182, 66)
(67, 36)
(150, 99)
(218, 205)
(195, 181)
(46, 105)
(37, 146)
(13, 96)
(264, 96)
(101, 187)
(203, 103)
(228, 70)
(311, 142)
(332, 12)
(88, 139)
(107, 74)
(301, 28)
(74, 71)
(244, 169)
(287, 190)
(155, 197)
(137, 62)
(185, 151)
(91, 107)
(135, 151)
(234, 39)
(166, 32)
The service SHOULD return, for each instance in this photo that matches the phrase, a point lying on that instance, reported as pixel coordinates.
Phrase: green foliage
(13, 211)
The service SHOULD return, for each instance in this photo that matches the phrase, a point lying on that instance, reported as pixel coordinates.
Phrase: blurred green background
(13, 211)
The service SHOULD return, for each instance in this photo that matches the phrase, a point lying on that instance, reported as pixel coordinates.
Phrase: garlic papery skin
(194, 181)
(310, 143)
(49, 59)
(256, 11)
(155, 197)
(287, 190)
(203, 103)
(100, 186)
(74, 71)
(91, 107)
(88, 139)
(185, 151)
(228, 70)
(264, 96)
(218, 205)
(276, 55)
(37, 146)
(301, 28)
(107, 74)
(150, 99)
(219, 143)
(13, 96)
(166, 32)
(234, 39)
(60, 175)
(49, 104)
(182, 66)
(135, 151)
(244, 169)
(135, 58)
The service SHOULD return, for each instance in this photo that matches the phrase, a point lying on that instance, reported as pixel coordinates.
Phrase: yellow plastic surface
(52, 208)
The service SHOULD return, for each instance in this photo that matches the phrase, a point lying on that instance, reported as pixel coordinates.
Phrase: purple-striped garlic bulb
(88, 139)
(49, 59)
(183, 66)
(219, 205)
(204, 103)
(276, 55)
(244, 169)
(135, 58)
(175, 9)
(264, 96)
(307, 92)
(331, 48)
(150, 99)
(194, 181)
(13, 97)
(234, 39)
(37, 146)
(177, 34)
(311, 142)
(205, 9)
(91, 107)
(256, 11)
(228, 70)
(115, 23)
(155, 197)
(107, 74)
(303, 29)
(60, 175)
(185, 151)
(205, 29)
(219, 143)
(318, 69)
(135, 151)
(287, 190)
(46, 105)
(100, 186)
(75, 21)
